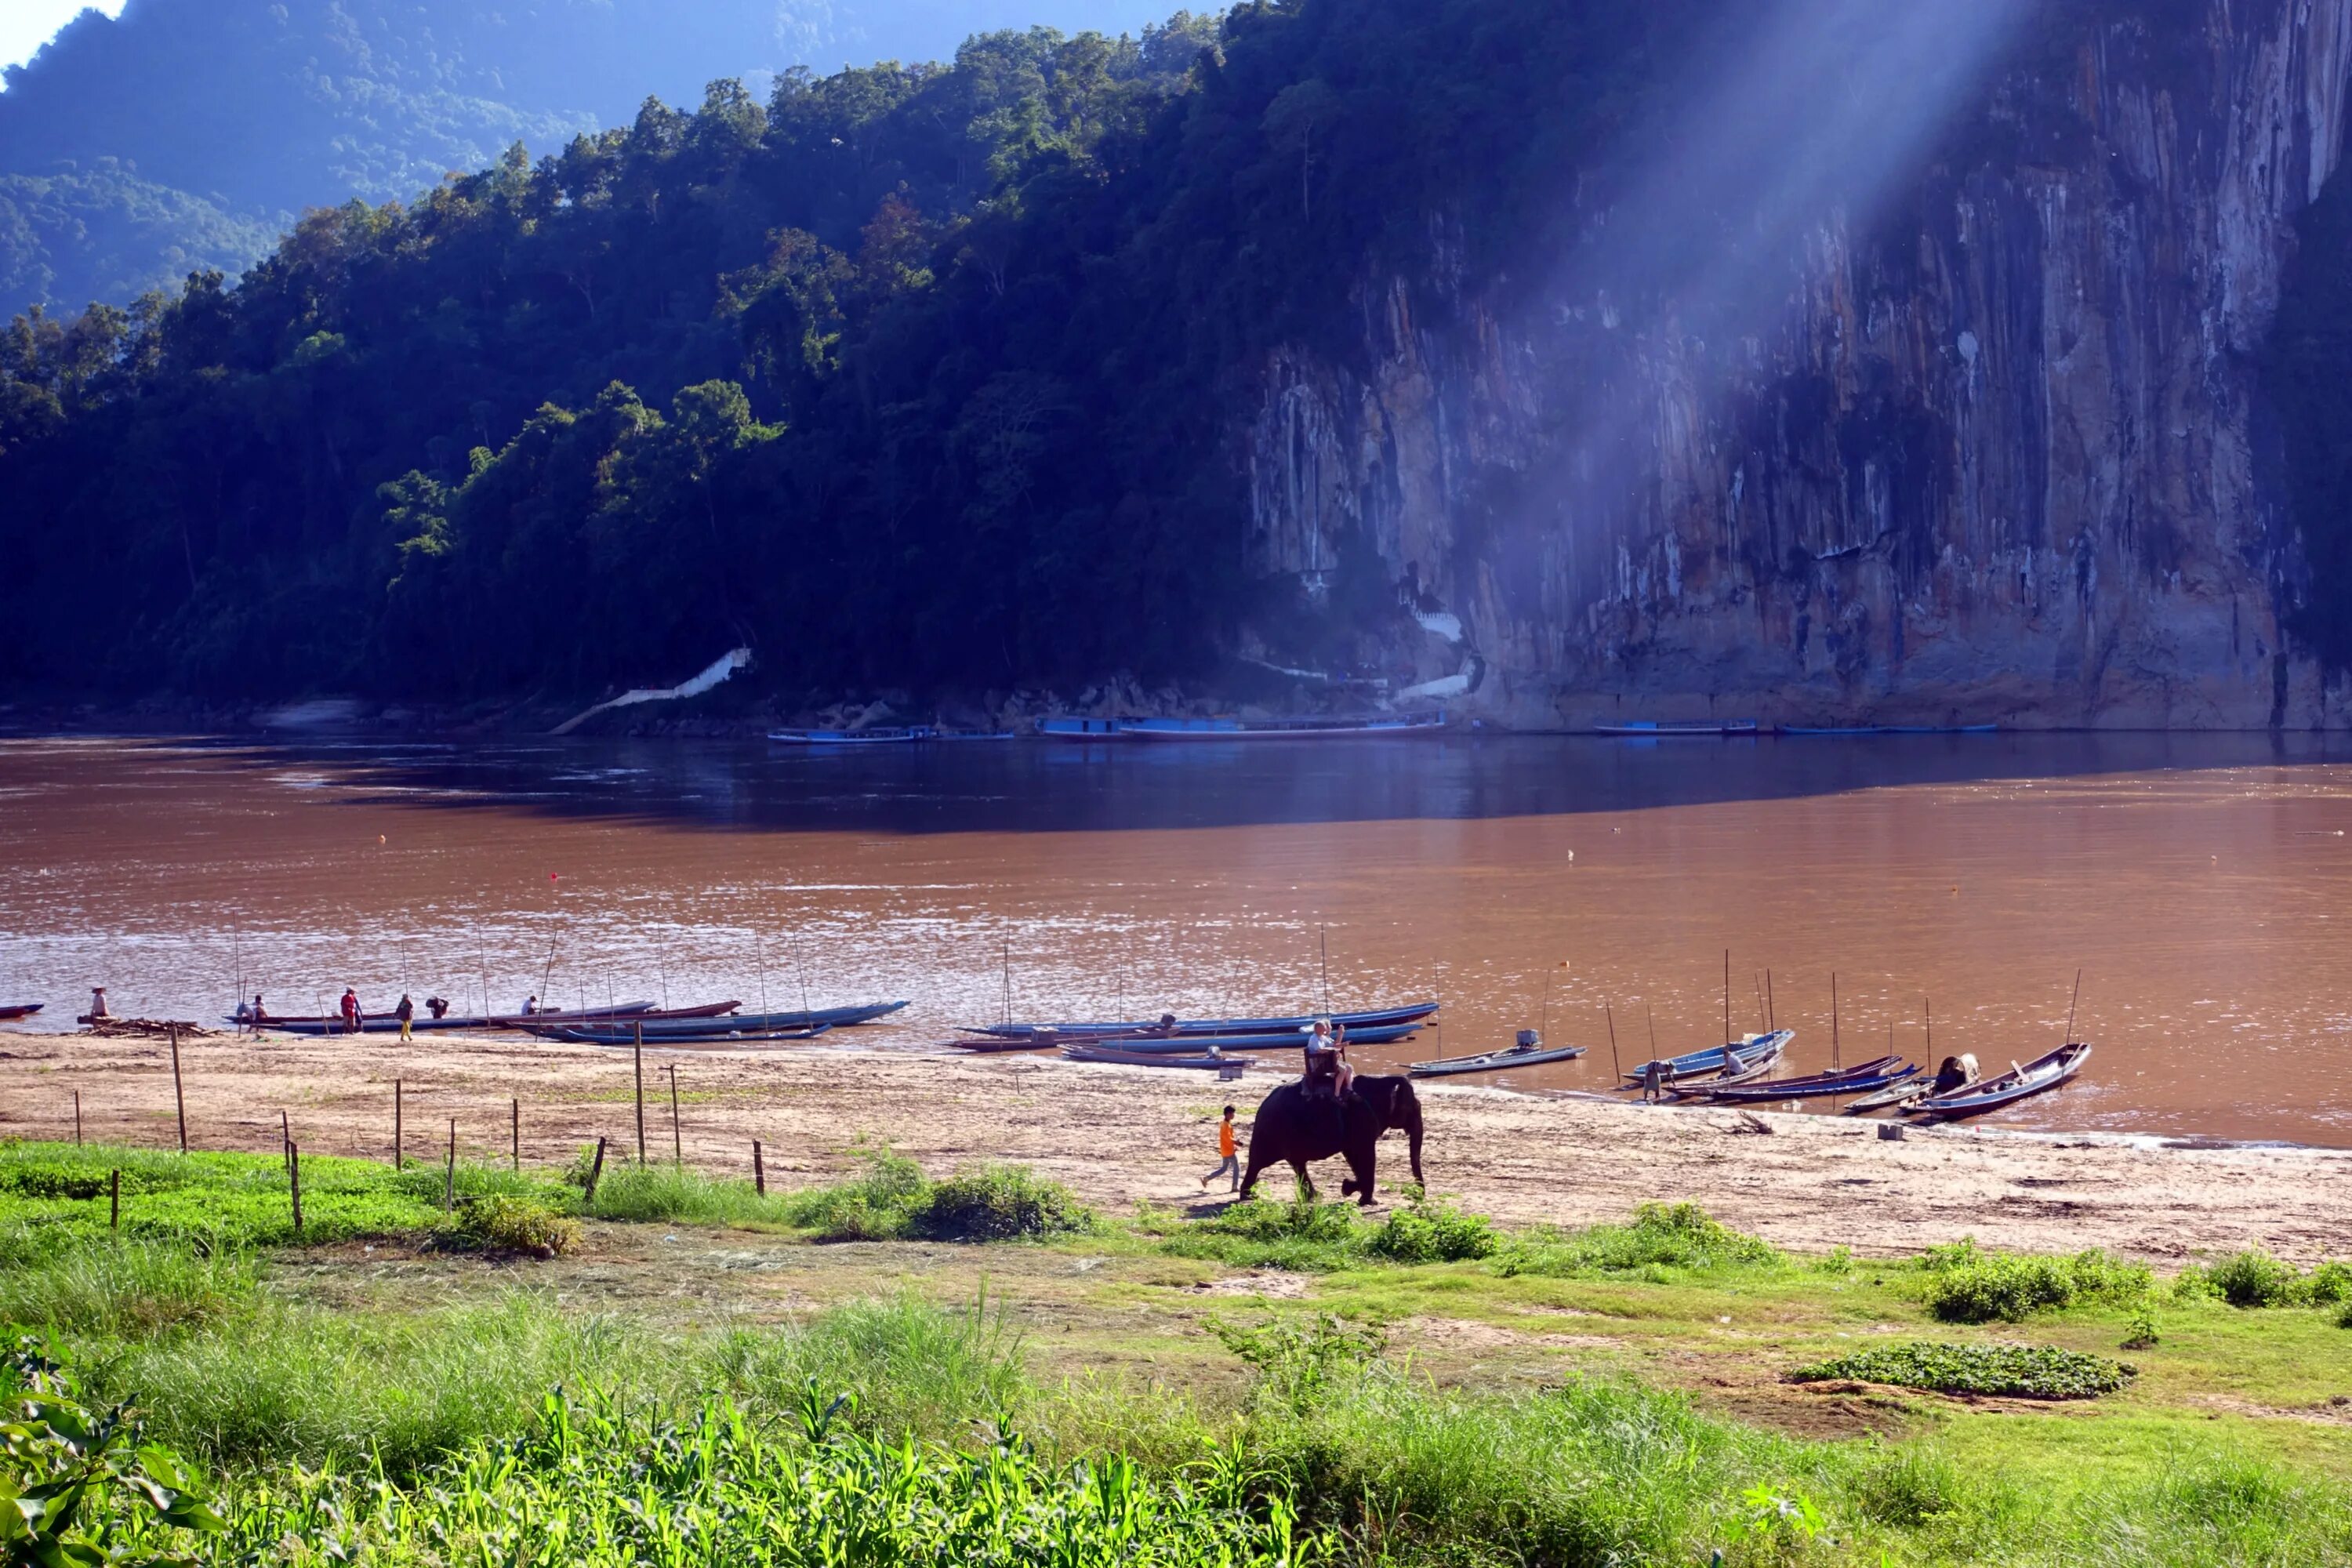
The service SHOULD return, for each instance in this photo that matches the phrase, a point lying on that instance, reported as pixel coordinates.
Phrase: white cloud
(26, 24)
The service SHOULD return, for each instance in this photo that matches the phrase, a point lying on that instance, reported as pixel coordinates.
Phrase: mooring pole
(179, 1095)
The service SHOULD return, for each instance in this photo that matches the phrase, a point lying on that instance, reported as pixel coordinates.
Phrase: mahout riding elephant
(1294, 1127)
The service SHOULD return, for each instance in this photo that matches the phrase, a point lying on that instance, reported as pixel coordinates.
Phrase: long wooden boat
(691, 1042)
(23, 1010)
(895, 735)
(1078, 729)
(1495, 1062)
(1281, 729)
(1270, 1040)
(1677, 729)
(1902, 1091)
(1746, 1065)
(627, 1029)
(385, 1024)
(1714, 1059)
(1861, 1078)
(1378, 1017)
(1849, 730)
(2041, 1074)
(1110, 1055)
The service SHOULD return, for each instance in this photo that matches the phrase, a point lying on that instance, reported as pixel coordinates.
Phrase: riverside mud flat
(1120, 1137)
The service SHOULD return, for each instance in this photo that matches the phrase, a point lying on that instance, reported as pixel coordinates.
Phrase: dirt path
(1122, 1136)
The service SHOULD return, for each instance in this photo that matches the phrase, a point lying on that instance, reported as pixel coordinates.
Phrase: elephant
(1291, 1128)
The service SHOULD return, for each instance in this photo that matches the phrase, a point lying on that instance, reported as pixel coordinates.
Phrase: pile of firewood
(127, 1028)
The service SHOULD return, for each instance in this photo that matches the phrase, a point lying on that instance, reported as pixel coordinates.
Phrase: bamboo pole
(1615, 1067)
(77, 1118)
(179, 1094)
(1833, 1020)
(1324, 936)
(2067, 1041)
(1727, 997)
(638, 1053)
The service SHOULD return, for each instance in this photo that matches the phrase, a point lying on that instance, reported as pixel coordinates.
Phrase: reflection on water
(1570, 884)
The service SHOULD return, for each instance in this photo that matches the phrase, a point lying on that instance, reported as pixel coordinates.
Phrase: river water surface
(2202, 885)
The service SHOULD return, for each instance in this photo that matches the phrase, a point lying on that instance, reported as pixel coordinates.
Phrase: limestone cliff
(2002, 456)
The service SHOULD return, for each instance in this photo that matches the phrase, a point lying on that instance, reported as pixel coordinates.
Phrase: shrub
(996, 1203)
(1972, 1287)
(2254, 1279)
(873, 1206)
(1662, 1239)
(501, 1224)
(2330, 1283)
(2343, 1316)
(918, 1369)
(1433, 1233)
(2034, 1371)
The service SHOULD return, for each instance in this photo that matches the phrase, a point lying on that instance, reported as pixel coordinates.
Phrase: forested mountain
(1311, 333)
(190, 132)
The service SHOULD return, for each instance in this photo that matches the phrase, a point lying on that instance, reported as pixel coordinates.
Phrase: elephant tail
(1411, 1108)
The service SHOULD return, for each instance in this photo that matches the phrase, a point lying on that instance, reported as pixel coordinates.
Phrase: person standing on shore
(405, 1013)
(1228, 1154)
(350, 1011)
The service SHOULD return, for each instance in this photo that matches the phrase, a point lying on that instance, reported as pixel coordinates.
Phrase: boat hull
(1379, 1017)
(1493, 1061)
(2037, 1076)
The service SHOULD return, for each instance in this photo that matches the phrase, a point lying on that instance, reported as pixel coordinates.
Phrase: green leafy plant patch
(2030, 1371)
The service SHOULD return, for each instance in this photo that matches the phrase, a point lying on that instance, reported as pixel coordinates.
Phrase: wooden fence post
(595, 1175)
(639, 1053)
(449, 1181)
(179, 1095)
(114, 1200)
(398, 1144)
(759, 1170)
(515, 1108)
(77, 1118)
(676, 1140)
(294, 1176)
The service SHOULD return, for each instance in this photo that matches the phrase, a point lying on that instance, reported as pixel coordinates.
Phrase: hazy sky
(26, 24)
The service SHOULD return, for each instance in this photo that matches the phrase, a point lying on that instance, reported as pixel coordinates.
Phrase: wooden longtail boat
(624, 1030)
(23, 1010)
(896, 736)
(2042, 1073)
(1281, 729)
(1677, 729)
(1178, 1045)
(1694, 1064)
(691, 1042)
(1112, 1057)
(1748, 1063)
(385, 1024)
(1858, 1079)
(1378, 1017)
(1495, 1062)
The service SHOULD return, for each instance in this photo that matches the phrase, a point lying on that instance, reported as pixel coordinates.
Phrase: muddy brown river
(2200, 884)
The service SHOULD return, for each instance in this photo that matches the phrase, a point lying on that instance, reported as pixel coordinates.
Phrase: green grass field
(969, 1368)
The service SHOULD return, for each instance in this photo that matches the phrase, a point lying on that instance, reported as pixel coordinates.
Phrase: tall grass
(1967, 1285)
(1664, 1243)
(127, 1290)
(916, 1368)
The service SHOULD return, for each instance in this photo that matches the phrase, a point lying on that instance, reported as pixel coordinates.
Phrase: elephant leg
(1249, 1177)
(1363, 1164)
(1306, 1181)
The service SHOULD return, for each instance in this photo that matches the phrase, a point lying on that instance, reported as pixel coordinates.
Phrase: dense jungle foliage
(907, 376)
(186, 133)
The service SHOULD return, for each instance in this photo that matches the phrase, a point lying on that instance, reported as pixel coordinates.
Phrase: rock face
(2002, 458)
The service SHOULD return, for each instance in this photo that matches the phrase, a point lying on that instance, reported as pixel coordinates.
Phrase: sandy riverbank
(1121, 1136)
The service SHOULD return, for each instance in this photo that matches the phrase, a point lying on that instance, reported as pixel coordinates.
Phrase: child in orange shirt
(1227, 1149)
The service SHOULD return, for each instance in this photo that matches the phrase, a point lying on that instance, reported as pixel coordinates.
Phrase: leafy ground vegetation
(972, 1369)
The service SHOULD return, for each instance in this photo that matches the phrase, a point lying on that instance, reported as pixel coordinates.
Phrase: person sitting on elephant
(1328, 1075)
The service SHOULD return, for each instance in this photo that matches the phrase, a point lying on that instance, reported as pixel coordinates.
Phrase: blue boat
(896, 736)
(1078, 729)
(1806, 730)
(1678, 729)
(1281, 729)
(1354, 1023)
(1717, 1058)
